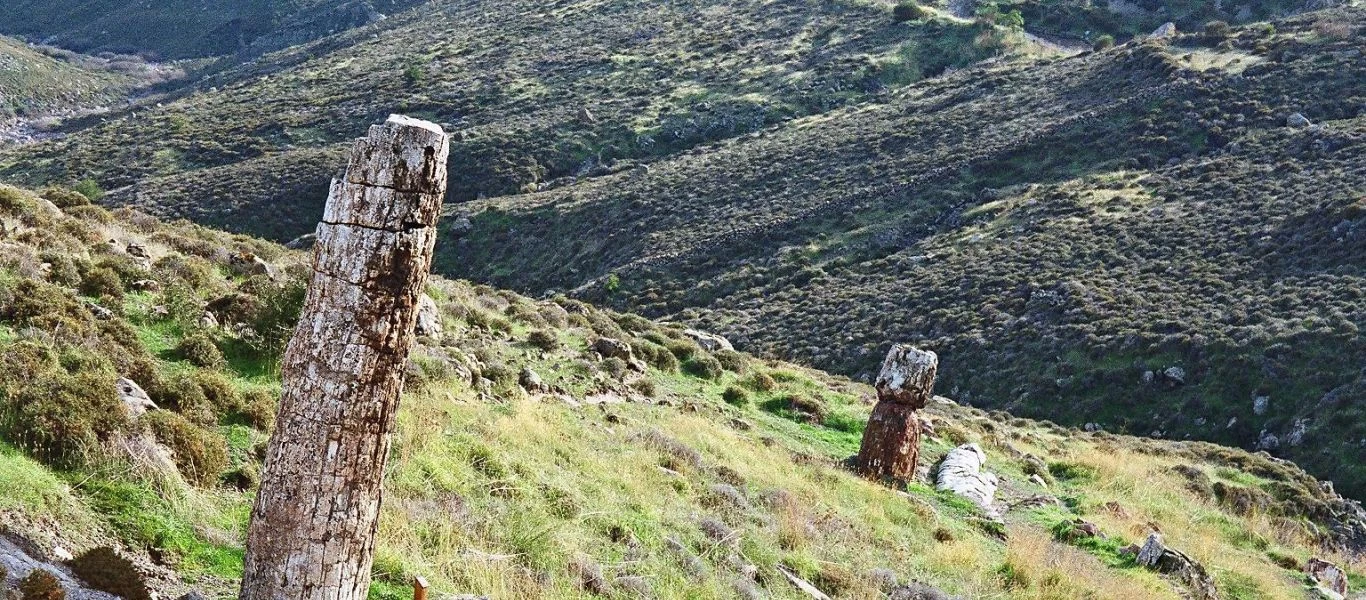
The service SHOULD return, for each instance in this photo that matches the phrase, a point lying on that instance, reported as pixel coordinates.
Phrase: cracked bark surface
(314, 520)
(891, 442)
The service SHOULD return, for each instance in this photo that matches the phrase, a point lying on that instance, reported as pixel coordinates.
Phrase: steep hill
(527, 466)
(538, 93)
(41, 81)
(179, 29)
(1066, 230)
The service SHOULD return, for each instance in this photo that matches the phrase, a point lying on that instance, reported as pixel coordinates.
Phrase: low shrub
(646, 387)
(198, 349)
(180, 392)
(656, 355)
(102, 282)
(908, 11)
(760, 381)
(41, 585)
(57, 406)
(64, 198)
(732, 361)
(259, 406)
(735, 396)
(1103, 42)
(544, 339)
(200, 455)
(704, 366)
(683, 349)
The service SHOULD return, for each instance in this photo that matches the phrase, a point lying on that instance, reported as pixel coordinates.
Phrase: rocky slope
(533, 459)
(604, 86)
(1148, 239)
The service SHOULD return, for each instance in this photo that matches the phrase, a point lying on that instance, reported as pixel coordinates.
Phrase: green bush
(646, 387)
(761, 382)
(57, 406)
(180, 392)
(684, 349)
(200, 455)
(1104, 42)
(219, 391)
(704, 366)
(615, 367)
(259, 406)
(735, 396)
(64, 198)
(656, 355)
(90, 189)
(908, 11)
(102, 282)
(733, 361)
(1217, 30)
(41, 585)
(198, 349)
(544, 339)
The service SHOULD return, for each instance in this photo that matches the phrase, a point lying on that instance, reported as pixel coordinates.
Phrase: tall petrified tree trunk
(891, 442)
(313, 526)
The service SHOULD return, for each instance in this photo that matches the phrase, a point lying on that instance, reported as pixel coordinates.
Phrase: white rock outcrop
(962, 473)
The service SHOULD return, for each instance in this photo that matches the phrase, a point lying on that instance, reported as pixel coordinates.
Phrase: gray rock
(428, 317)
(1151, 551)
(1157, 556)
(1268, 441)
(961, 473)
(1327, 575)
(530, 381)
(1166, 30)
(1175, 375)
(610, 348)
(303, 242)
(708, 341)
(1297, 431)
(1260, 404)
(19, 558)
(134, 398)
(1298, 121)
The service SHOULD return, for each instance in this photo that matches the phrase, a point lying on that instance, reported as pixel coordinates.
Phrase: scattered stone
(134, 398)
(145, 285)
(610, 348)
(531, 382)
(891, 441)
(885, 579)
(1260, 404)
(246, 263)
(1157, 556)
(961, 473)
(303, 242)
(137, 250)
(1175, 375)
(1297, 432)
(802, 584)
(1166, 30)
(1327, 575)
(1268, 441)
(208, 321)
(1298, 121)
(428, 317)
(100, 312)
(708, 341)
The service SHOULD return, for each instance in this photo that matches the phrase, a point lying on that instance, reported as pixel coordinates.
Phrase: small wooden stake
(420, 586)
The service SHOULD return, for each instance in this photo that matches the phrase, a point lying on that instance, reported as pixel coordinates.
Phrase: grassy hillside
(1122, 19)
(601, 86)
(1065, 230)
(179, 29)
(700, 477)
(36, 82)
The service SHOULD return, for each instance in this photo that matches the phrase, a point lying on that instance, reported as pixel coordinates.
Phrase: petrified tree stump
(891, 442)
(313, 525)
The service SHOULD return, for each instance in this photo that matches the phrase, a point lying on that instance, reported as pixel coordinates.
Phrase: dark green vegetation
(38, 81)
(699, 476)
(1082, 19)
(176, 29)
(1056, 230)
(603, 86)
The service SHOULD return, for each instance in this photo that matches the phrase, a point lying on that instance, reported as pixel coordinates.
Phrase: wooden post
(891, 442)
(313, 524)
(420, 586)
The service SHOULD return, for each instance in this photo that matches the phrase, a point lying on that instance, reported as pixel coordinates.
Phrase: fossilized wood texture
(891, 442)
(907, 376)
(313, 525)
